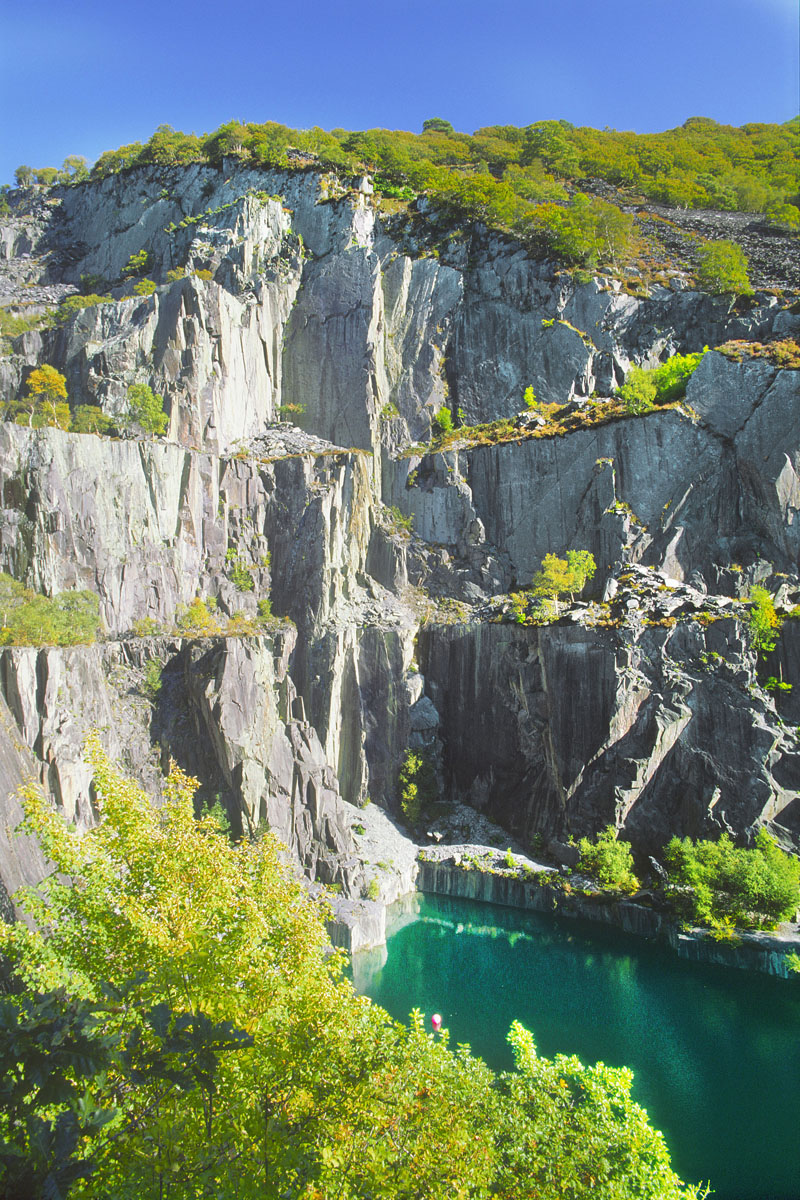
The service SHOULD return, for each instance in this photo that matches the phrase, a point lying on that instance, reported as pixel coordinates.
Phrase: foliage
(137, 264)
(529, 398)
(14, 324)
(53, 1055)
(146, 627)
(729, 884)
(144, 287)
(223, 1053)
(151, 684)
(73, 304)
(146, 409)
(638, 392)
(558, 575)
(417, 783)
(196, 620)
(723, 268)
(175, 274)
(44, 402)
(609, 861)
(443, 422)
(241, 578)
(90, 418)
(782, 352)
(763, 621)
(645, 387)
(29, 619)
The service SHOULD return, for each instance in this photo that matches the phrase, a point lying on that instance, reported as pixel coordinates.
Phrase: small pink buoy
(436, 1022)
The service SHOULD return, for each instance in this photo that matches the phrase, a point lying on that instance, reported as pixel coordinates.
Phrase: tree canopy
(219, 1050)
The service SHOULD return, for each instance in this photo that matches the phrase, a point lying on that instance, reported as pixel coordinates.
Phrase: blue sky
(83, 76)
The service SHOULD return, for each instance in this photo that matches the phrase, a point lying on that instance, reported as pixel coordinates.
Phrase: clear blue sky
(83, 76)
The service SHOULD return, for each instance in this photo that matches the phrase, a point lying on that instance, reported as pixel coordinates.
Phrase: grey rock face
(319, 309)
(563, 730)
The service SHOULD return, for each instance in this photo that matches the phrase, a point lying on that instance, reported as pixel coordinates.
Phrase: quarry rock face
(304, 345)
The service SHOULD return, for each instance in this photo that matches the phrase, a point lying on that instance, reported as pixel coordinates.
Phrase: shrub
(146, 627)
(723, 268)
(137, 264)
(29, 619)
(418, 785)
(646, 387)
(609, 861)
(763, 621)
(638, 392)
(74, 304)
(729, 884)
(529, 399)
(195, 620)
(89, 418)
(175, 274)
(205, 275)
(151, 684)
(145, 287)
(443, 422)
(146, 409)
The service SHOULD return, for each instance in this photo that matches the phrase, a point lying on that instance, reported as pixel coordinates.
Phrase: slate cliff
(645, 710)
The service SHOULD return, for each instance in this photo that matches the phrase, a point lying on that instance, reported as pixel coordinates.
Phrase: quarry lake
(715, 1052)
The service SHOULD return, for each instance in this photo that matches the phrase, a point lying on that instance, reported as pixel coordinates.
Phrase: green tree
(559, 575)
(417, 783)
(23, 176)
(437, 125)
(137, 264)
(727, 886)
(219, 1027)
(90, 418)
(146, 409)
(763, 621)
(723, 268)
(638, 392)
(609, 861)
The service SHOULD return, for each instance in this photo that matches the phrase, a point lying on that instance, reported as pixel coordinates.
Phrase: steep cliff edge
(291, 295)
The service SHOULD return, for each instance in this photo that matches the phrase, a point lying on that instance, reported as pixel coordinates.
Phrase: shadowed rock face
(648, 714)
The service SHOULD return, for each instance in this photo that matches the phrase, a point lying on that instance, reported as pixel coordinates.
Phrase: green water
(716, 1052)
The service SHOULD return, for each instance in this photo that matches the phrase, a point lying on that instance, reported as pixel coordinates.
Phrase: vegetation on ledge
(536, 181)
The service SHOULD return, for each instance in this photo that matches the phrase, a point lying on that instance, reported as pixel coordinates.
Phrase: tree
(214, 1020)
(763, 620)
(74, 168)
(609, 861)
(437, 125)
(638, 392)
(24, 176)
(723, 268)
(90, 418)
(146, 409)
(45, 400)
(733, 886)
(558, 575)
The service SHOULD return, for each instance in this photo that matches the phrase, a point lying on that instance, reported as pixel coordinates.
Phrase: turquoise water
(715, 1052)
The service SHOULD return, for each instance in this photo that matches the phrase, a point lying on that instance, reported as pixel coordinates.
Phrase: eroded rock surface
(304, 344)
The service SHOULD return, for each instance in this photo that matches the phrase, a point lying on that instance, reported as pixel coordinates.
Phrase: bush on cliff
(28, 619)
(217, 1049)
(609, 861)
(723, 885)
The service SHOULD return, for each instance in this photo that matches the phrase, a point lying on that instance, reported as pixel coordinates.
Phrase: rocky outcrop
(226, 710)
(446, 874)
(290, 294)
(656, 728)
